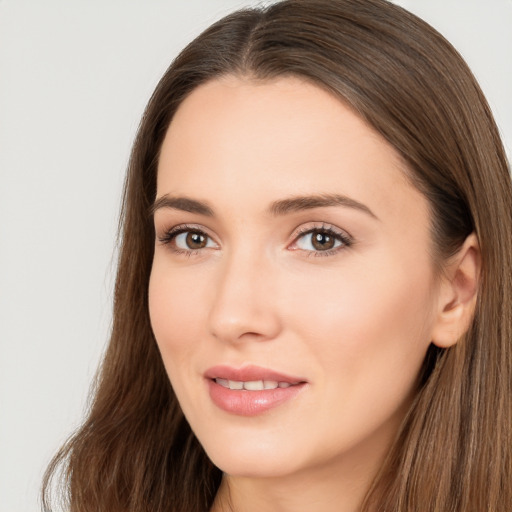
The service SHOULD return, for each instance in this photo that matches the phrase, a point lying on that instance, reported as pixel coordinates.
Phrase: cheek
(367, 336)
(175, 313)
(366, 326)
(177, 319)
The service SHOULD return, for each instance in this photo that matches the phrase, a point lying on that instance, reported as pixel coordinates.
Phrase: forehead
(268, 139)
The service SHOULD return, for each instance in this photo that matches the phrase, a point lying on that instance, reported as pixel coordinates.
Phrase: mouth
(250, 390)
(253, 385)
(251, 374)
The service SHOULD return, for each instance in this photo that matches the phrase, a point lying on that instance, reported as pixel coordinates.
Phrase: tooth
(222, 382)
(253, 385)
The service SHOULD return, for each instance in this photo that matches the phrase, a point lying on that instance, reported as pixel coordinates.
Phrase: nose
(244, 306)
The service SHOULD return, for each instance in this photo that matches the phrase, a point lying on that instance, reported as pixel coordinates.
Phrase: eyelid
(346, 239)
(169, 235)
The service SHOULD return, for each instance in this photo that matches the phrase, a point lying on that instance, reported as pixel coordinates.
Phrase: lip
(249, 372)
(250, 403)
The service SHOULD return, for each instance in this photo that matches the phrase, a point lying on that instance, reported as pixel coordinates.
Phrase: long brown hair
(136, 452)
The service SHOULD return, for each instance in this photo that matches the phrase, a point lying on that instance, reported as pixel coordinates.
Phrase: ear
(458, 294)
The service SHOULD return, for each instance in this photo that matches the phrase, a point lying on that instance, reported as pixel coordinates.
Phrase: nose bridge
(242, 305)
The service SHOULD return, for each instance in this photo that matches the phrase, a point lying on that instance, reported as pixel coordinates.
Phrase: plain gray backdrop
(74, 78)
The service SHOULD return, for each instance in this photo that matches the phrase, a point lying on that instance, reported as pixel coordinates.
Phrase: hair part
(136, 452)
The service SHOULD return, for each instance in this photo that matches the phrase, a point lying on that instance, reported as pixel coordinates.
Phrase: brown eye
(322, 241)
(195, 240)
(188, 240)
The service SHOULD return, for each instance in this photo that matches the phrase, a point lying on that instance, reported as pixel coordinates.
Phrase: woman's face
(292, 260)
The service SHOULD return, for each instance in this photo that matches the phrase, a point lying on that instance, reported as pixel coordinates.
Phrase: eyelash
(170, 235)
(345, 240)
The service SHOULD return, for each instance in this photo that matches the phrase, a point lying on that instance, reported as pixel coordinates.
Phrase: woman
(313, 302)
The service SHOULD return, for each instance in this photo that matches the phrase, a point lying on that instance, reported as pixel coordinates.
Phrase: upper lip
(249, 373)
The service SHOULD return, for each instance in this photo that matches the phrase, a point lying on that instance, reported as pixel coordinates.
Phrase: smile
(251, 390)
(253, 385)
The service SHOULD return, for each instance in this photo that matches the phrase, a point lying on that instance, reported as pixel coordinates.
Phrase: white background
(74, 78)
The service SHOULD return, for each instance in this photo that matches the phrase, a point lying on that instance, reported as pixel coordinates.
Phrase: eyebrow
(277, 208)
(294, 204)
(184, 204)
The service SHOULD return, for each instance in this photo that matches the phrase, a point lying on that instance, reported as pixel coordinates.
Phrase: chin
(257, 467)
(252, 458)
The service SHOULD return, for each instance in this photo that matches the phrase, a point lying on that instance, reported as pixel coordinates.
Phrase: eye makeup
(323, 240)
(179, 237)
(318, 239)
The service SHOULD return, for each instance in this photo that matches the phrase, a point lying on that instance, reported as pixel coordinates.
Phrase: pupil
(322, 241)
(196, 241)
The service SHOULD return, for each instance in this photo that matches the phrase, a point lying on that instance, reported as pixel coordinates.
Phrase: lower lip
(250, 403)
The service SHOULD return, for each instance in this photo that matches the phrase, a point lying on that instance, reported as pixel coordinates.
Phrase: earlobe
(458, 294)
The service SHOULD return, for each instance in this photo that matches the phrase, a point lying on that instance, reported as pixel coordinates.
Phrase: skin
(354, 323)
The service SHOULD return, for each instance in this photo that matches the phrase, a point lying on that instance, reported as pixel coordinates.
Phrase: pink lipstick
(250, 390)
